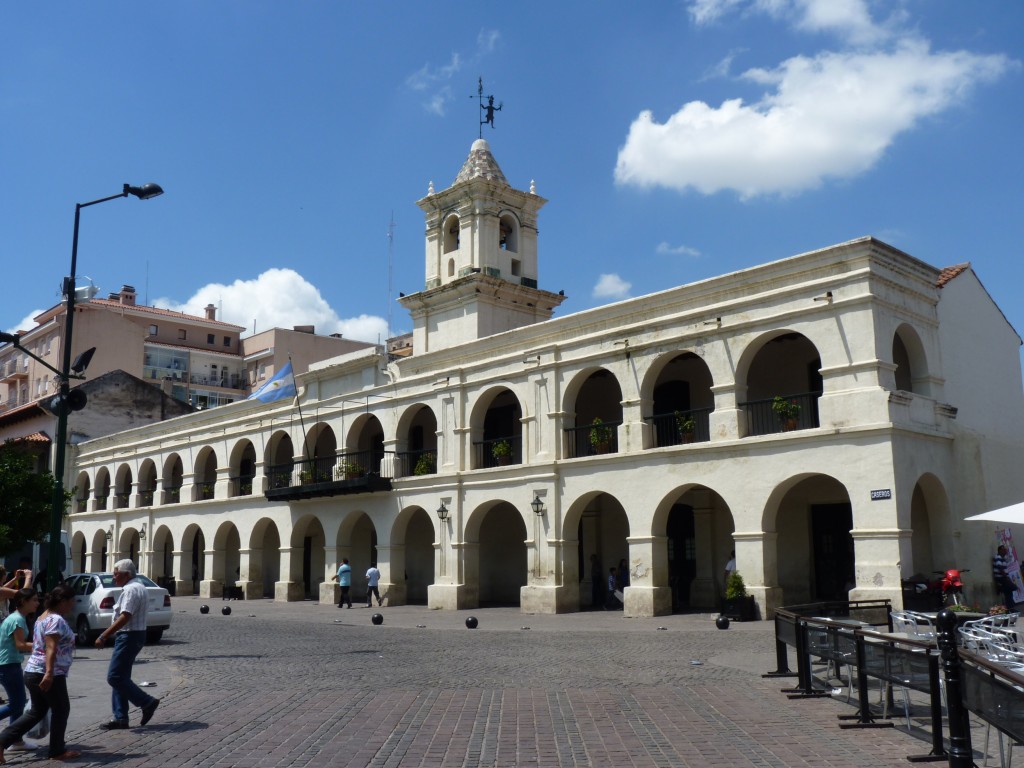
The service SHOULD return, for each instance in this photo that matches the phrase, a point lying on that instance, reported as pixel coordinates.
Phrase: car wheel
(153, 636)
(82, 632)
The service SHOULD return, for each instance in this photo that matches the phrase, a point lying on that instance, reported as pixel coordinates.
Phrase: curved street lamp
(145, 192)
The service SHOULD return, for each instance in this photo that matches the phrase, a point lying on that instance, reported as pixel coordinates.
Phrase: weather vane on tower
(486, 112)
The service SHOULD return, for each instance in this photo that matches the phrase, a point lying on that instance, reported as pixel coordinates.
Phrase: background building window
(227, 341)
(210, 338)
(181, 334)
(153, 330)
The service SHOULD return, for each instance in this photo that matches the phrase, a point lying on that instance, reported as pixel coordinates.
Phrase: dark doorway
(832, 550)
(682, 557)
(307, 566)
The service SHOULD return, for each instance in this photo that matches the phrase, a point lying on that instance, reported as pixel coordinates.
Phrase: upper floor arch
(678, 398)
(496, 429)
(779, 382)
(593, 408)
(911, 361)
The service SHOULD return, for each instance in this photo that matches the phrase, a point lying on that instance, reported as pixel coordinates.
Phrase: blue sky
(674, 140)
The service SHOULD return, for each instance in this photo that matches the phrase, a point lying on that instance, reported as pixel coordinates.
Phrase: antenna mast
(391, 260)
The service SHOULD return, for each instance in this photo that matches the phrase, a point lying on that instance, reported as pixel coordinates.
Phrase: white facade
(905, 378)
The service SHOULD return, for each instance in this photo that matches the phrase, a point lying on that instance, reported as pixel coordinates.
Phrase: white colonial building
(490, 464)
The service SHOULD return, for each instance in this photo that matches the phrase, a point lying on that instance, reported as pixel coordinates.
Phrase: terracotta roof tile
(948, 273)
(160, 312)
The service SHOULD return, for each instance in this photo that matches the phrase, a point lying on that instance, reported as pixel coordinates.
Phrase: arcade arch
(495, 553)
(593, 403)
(678, 390)
(496, 429)
(787, 365)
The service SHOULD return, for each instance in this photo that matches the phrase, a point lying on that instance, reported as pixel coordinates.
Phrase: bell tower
(481, 258)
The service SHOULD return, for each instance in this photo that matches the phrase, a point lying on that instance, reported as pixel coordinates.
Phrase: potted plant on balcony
(347, 470)
(502, 453)
(426, 465)
(788, 412)
(686, 426)
(738, 605)
(600, 436)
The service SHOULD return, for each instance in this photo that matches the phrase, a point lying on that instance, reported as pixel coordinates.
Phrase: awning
(1013, 514)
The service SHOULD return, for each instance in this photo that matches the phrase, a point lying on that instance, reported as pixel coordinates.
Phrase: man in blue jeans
(129, 631)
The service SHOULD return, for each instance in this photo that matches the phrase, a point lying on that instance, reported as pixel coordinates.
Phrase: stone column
(728, 421)
(329, 589)
(290, 588)
(878, 553)
(757, 562)
(210, 587)
(181, 570)
(250, 574)
(648, 593)
(391, 563)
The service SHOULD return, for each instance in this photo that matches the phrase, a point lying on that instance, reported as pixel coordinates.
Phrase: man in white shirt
(129, 631)
(372, 580)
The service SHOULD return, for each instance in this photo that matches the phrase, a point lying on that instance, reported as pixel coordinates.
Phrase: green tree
(26, 497)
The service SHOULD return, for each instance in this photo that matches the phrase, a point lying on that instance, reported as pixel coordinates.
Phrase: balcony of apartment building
(14, 369)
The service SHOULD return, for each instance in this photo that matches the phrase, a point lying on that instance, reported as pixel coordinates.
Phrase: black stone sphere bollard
(377, 619)
(204, 609)
(471, 622)
(226, 610)
(722, 622)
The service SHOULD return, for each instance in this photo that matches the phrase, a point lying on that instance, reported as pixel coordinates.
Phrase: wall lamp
(537, 504)
(110, 533)
(442, 512)
(827, 298)
(142, 533)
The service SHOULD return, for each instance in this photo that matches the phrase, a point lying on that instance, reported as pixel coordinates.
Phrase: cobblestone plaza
(307, 684)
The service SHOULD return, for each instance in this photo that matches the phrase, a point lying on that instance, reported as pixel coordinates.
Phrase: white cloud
(676, 250)
(487, 40)
(832, 115)
(611, 287)
(27, 323)
(278, 298)
(849, 19)
(435, 82)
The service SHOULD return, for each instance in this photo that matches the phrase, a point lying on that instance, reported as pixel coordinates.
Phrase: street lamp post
(144, 192)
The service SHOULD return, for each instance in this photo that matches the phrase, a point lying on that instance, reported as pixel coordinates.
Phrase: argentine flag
(282, 385)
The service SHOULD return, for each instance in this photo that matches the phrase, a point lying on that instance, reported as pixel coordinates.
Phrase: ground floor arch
(602, 543)
(409, 558)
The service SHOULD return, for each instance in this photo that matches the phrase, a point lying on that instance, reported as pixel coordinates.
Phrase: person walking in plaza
(1001, 576)
(46, 676)
(612, 602)
(730, 568)
(129, 632)
(14, 641)
(372, 586)
(344, 579)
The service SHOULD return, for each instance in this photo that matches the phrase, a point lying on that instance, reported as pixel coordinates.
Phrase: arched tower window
(451, 267)
(508, 233)
(451, 234)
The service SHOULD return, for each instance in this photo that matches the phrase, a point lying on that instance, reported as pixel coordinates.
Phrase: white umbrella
(1013, 514)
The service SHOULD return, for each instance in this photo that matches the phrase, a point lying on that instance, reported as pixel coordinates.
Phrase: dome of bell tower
(480, 164)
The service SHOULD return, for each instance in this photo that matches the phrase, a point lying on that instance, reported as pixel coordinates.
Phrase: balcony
(681, 427)
(338, 475)
(422, 462)
(592, 439)
(763, 418)
(497, 452)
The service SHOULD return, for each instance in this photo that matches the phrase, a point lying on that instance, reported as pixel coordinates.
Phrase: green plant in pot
(686, 426)
(426, 465)
(787, 411)
(502, 452)
(600, 436)
(738, 605)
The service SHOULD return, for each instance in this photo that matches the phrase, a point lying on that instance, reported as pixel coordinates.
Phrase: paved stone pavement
(304, 684)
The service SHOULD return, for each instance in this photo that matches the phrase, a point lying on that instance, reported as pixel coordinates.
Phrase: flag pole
(302, 423)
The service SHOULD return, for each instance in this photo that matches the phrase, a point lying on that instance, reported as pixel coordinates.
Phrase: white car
(95, 595)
